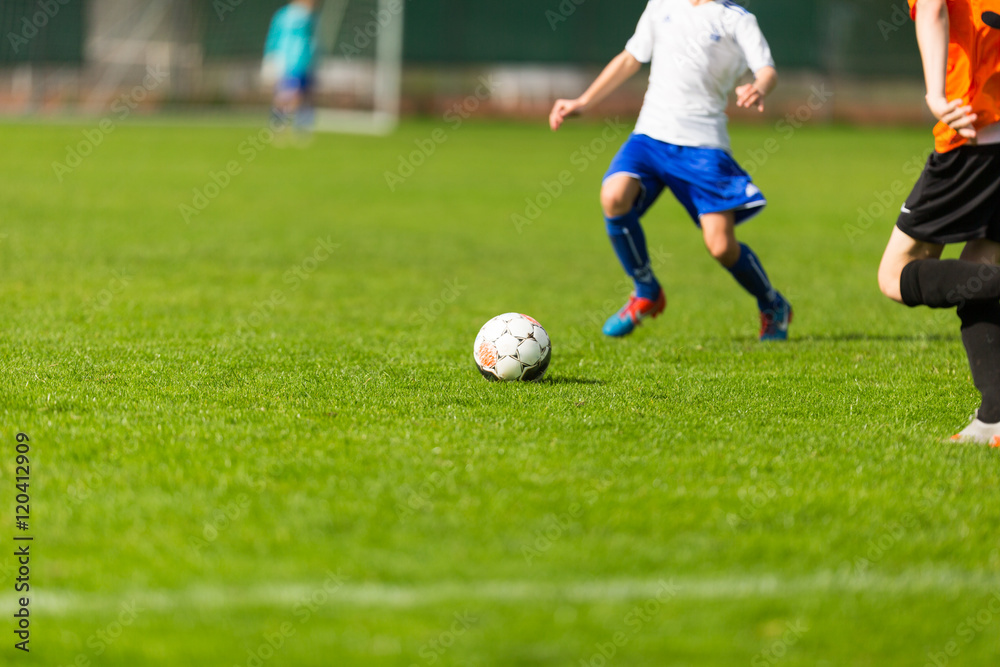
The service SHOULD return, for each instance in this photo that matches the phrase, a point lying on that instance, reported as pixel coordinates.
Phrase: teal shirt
(291, 40)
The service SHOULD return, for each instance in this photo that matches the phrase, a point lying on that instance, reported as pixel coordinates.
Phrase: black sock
(948, 283)
(981, 336)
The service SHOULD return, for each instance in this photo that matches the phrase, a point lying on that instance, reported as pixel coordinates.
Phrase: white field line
(375, 595)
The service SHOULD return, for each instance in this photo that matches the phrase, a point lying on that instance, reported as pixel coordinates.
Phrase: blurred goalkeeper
(289, 55)
(698, 50)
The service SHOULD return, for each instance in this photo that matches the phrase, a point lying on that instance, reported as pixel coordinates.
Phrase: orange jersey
(973, 66)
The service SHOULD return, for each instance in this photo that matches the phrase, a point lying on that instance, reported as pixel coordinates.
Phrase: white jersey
(698, 54)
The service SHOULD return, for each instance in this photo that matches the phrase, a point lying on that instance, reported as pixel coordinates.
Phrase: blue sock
(629, 243)
(751, 276)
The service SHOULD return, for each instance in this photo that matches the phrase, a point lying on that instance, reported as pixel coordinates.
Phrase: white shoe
(979, 433)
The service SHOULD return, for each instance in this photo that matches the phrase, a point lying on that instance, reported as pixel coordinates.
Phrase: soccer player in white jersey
(698, 49)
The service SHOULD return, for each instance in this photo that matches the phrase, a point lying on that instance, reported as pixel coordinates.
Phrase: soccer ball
(512, 347)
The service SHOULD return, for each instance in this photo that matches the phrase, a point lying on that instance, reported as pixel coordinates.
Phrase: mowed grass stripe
(372, 595)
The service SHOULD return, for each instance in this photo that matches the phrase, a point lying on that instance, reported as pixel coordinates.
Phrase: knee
(888, 282)
(616, 201)
(723, 248)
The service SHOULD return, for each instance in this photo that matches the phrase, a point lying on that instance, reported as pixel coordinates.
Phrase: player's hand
(954, 114)
(748, 96)
(562, 110)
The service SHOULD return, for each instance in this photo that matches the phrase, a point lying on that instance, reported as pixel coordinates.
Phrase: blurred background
(383, 58)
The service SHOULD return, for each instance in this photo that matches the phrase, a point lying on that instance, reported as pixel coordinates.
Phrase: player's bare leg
(619, 196)
(900, 251)
(719, 233)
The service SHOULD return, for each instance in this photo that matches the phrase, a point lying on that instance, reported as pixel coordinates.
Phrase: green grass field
(258, 438)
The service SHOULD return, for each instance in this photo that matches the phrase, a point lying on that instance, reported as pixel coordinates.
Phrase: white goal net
(358, 78)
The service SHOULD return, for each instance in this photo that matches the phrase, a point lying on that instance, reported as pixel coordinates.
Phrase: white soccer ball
(512, 347)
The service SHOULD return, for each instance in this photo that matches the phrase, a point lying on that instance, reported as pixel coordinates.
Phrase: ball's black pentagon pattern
(537, 372)
(512, 347)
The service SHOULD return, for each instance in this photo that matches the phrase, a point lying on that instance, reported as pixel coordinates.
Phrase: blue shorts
(704, 180)
(295, 84)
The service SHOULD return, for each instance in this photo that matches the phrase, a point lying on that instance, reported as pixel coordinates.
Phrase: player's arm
(752, 94)
(757, 53)
(618, 71)
(933, 37)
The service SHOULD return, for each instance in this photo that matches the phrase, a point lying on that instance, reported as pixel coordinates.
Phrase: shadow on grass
(569, 380)
(849, 338)
(878, 338)
(842, 338)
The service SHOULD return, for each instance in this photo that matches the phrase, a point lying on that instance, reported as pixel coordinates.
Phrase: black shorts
(957, 197)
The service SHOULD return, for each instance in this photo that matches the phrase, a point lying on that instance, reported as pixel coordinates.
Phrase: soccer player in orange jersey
(957, 198)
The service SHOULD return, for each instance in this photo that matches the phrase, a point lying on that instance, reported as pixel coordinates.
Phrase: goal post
(360, 64)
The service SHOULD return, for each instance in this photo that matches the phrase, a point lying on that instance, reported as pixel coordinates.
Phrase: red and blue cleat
(633, 313)
(775, 320)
